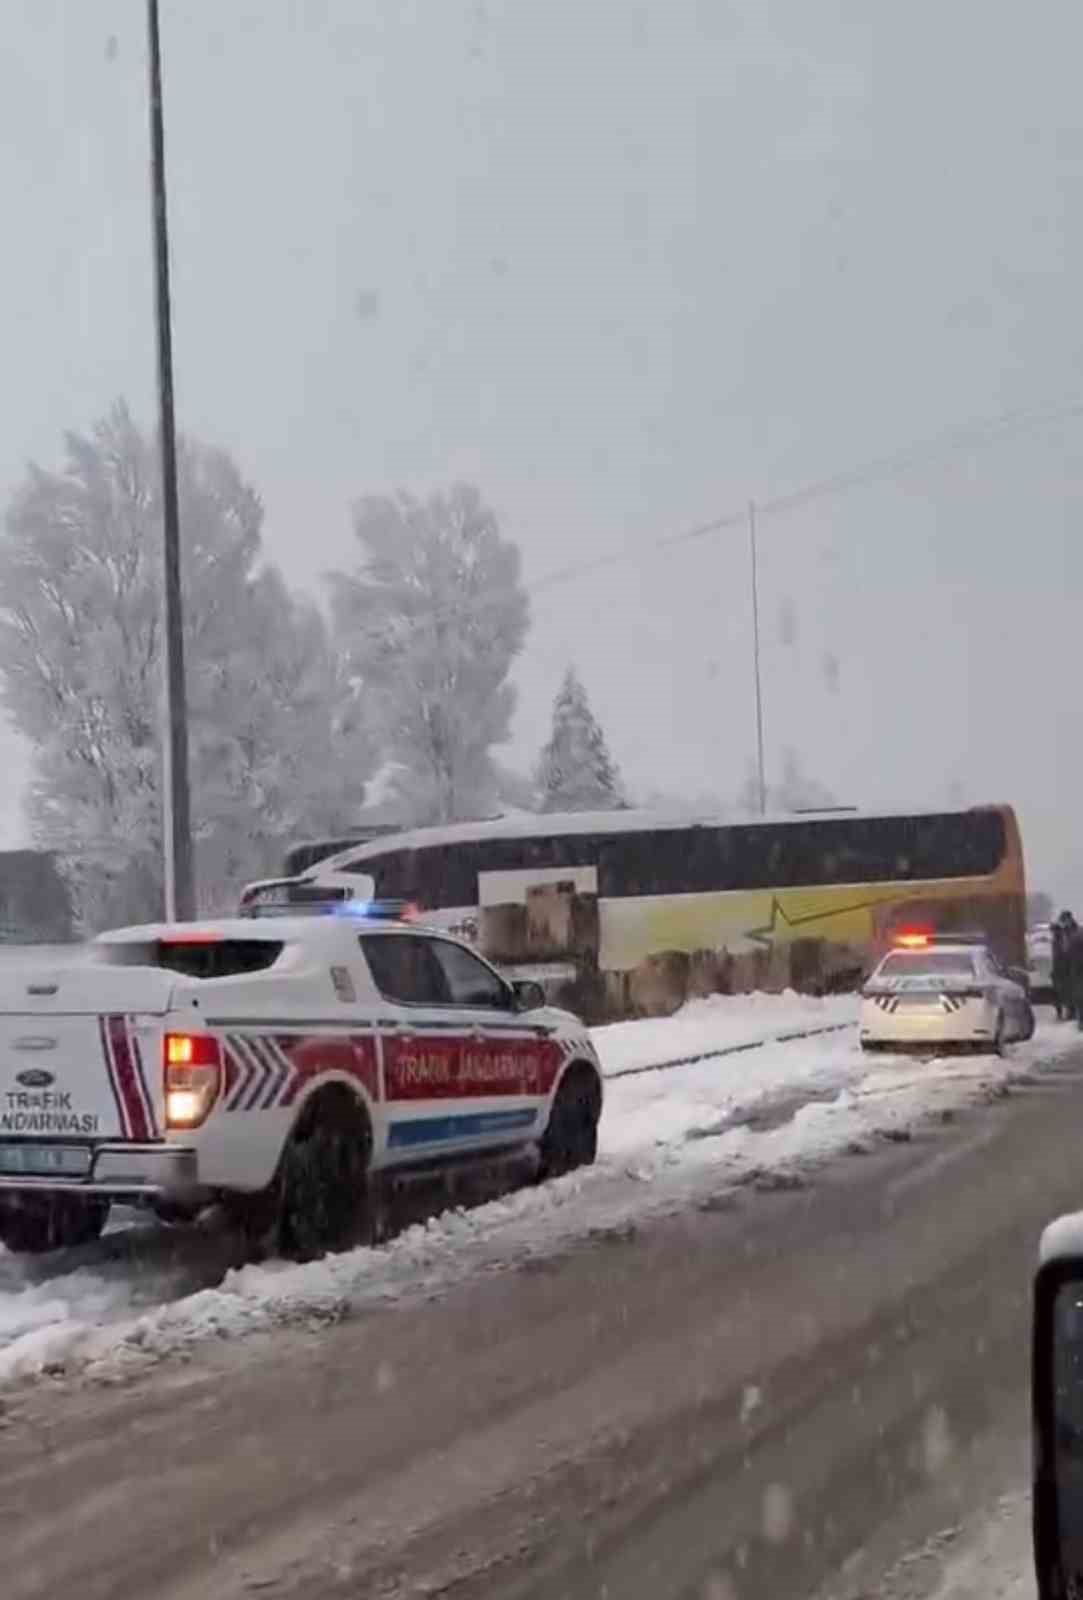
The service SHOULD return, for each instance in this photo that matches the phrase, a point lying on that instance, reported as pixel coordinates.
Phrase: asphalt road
(779, 1394)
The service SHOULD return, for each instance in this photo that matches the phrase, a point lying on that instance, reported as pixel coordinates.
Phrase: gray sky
(625, 264)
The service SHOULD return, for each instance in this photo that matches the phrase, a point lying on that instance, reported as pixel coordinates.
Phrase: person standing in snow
(1063, 931)
(1074, 957)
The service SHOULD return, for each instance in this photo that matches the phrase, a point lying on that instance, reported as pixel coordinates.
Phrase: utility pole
(761, 781)
(176, 807)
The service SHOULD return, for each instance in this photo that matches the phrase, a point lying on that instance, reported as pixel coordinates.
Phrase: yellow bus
(629, 913)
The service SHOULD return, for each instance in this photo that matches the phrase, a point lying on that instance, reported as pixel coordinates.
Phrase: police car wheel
(32, 1225)
(571, 1139)
(324, 1182)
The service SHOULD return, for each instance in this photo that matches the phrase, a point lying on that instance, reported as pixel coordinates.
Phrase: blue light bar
(375, 910)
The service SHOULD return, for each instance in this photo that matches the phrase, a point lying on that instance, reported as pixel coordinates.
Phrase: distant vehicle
(630, 913)
(1040, 960)
(944, 991)
(282, 1067)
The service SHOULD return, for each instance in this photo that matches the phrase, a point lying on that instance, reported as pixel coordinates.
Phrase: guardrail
(730, 1050)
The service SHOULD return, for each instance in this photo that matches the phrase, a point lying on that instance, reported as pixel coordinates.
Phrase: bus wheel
(571, 1138)
(34, 1224)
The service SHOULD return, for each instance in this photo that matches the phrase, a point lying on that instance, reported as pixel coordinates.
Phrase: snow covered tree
(429, 623)
(575, 770)
(282, 744)
(272, 728)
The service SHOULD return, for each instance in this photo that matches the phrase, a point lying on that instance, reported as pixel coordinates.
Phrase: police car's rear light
(917, 939)
(192, 1065)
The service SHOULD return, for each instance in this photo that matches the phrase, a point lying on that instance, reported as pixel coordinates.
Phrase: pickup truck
(281, 1068)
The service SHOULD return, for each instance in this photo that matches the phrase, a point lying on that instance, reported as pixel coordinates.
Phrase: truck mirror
(1057, 1403)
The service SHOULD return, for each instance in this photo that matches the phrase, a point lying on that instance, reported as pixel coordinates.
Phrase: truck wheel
(571, 1139)
(174, 1213)
(324, 1181)
(33, 1224)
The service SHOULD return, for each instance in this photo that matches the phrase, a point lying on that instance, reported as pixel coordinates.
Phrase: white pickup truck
(277, 1066)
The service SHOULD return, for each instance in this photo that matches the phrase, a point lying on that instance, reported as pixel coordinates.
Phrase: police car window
(404, 968)
(470, 982)
(931, 963)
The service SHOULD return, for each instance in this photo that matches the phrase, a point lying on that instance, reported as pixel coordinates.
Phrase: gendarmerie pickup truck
(278, 1066)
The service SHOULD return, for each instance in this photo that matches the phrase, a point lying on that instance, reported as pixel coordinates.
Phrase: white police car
(279, 1065)
(940, 990)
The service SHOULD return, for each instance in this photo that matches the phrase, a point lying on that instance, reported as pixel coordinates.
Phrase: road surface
(780, 1393)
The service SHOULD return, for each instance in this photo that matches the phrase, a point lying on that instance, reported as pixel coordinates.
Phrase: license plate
(44, 1160)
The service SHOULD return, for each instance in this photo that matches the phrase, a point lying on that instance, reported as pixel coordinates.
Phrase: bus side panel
(657, 952)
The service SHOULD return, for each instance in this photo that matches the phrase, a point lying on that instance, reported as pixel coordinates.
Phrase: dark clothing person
(1067, 966)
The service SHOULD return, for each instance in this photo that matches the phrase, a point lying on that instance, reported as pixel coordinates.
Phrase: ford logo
(34, 1078)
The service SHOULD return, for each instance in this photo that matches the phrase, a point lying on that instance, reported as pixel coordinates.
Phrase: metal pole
(761, 781)
(176, 810)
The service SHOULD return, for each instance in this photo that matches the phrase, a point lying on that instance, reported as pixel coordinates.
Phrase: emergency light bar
(274, 902)
(377, 910)
(922, 939)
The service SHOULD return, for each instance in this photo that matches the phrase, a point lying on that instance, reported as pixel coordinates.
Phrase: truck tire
(33, 1224)
(571, 1137)
(174, 1214)
(324, 1182)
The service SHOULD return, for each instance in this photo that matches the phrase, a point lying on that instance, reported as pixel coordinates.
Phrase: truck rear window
(204, 958)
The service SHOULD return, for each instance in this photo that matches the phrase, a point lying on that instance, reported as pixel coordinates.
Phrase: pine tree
(575, 770)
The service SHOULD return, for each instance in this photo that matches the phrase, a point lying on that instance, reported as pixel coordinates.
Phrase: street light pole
(761, 781)
(176, 809)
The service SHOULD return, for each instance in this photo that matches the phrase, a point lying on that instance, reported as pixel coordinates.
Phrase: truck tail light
(192, 1067)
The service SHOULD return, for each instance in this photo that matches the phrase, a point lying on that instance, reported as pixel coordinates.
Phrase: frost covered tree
(575, 770)
(274, 732)
(429, 623)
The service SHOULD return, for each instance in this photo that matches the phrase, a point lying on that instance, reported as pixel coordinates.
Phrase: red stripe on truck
(352, 1055)
(111, 1074)
(133, 1093)
(463, 1067)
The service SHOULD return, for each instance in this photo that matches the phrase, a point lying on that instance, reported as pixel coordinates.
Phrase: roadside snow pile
(990, 1558)
(669, 1140)
(719, 1022)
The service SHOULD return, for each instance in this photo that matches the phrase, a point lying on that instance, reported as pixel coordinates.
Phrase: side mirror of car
(529, 995)
(1057, 1405)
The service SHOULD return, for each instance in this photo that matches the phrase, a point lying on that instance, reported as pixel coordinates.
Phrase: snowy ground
(670, 1138)
(994, 1561)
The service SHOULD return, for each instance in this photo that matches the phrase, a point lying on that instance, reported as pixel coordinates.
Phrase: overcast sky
(625, 264)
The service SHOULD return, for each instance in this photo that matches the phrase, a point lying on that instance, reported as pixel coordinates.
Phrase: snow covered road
(758, 1116)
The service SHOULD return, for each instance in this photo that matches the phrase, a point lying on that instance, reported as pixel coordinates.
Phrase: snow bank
(669, 1139)
(718, 1022)
(991, 1559)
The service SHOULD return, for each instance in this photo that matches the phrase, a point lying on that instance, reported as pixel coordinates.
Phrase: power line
(978, 434)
